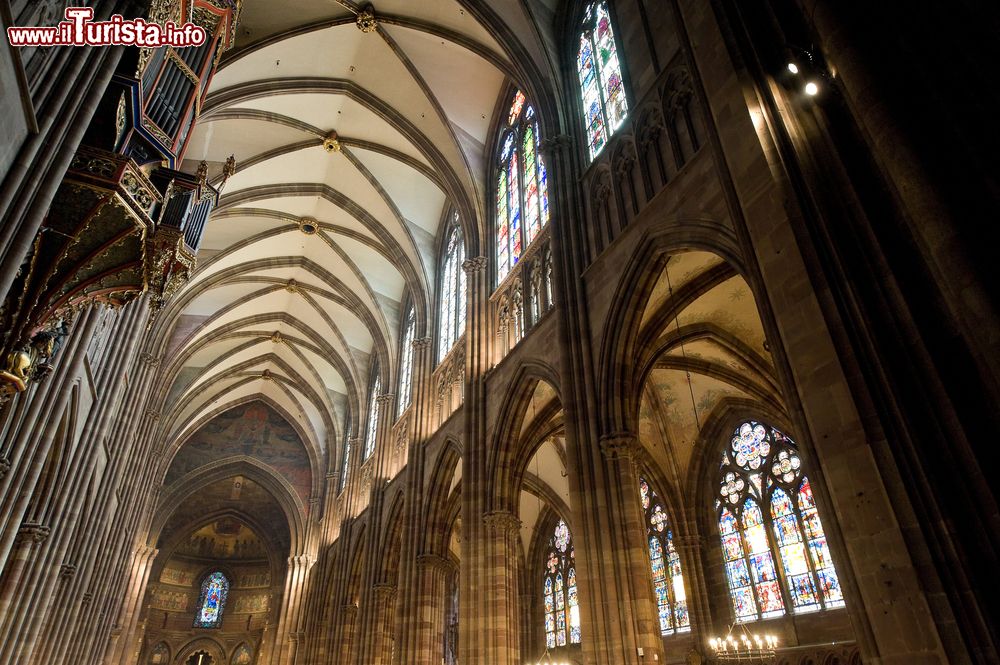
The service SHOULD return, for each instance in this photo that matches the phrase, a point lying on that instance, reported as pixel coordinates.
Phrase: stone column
(30, 538)
(421, 412)
(290, 620)
(500, 617)
(691, 549)
(474, 607)
(142, 564)
(432, 571)
(383, 600)
(625, 554)
(344, 651)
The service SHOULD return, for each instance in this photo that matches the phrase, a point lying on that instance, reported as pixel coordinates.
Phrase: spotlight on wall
(811, 89)
(793, 68)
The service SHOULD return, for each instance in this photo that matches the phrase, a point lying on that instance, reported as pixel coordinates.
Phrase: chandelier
(743, 647)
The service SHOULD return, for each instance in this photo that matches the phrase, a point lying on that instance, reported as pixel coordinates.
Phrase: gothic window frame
(666, 570)
(453, 289)
(203, 598)
(521, 211)
(371, 424)
(559, 590)
(761, 473)
(605, 75)
(405, 390)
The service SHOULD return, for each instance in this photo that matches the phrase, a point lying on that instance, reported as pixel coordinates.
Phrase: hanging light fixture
(743, 647)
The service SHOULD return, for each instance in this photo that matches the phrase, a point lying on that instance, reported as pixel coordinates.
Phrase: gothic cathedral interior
(504, 332)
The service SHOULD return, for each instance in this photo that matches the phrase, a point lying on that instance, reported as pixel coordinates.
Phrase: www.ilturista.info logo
(79, 29)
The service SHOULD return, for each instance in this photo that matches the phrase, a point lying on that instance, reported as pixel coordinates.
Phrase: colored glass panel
(819, 551)
(515, 107)
(515, 210)
(406, 362)
(503, 227)
(532, 207)
(762, 462)
(543, 181)
(573, 607)
(793, 556)
(214, 590)
(665, 563)
(453, 292)
(370, 435)
(562, 611)
(616, 108)
(602, 91)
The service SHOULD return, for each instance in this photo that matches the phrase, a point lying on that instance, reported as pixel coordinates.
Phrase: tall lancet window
(406, 362)
(452, 290)
(212, 601)
(773, 541)
(601, 87)
(522, 185)
(372, 430)
(562, 609)
(668, 581)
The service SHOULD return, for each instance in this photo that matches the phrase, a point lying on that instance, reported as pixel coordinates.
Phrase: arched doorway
(200, 658)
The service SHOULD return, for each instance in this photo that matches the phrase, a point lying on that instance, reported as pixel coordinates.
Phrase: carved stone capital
(554, 144)
(384, 398)
(620, 445)
(349, 611)
(67, 571)
(501, 522)
(152, 414)
(384, 591)
(297, 636)
(32, 532)
(87, 598)
(4, 466)
(150, 359)
(434, 563)
(422, 342)
(474, 265)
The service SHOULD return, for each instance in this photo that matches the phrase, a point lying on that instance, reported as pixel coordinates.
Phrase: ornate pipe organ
(125, 220)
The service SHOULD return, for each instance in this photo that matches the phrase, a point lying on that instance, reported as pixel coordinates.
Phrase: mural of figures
(252, 430)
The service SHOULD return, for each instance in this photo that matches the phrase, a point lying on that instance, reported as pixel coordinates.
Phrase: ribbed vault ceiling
(295, 317)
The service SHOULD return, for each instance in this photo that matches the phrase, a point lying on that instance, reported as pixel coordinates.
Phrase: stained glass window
(561, 604)
(452, 291)
(211, 603)
(372, 430)
(668, 581)
(406, 362)
(773, 543)
(346, 466)
(601, 88)
(522, 186)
